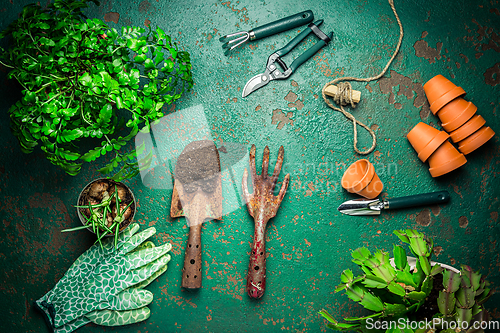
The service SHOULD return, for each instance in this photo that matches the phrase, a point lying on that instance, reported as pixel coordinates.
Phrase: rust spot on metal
(423, 50)
(310, 189)
(494, 216)
(258, 107)
(111, 17)
(424, 217)
(147, 22)
(291, 97)
(437, 250)
(408, 89)
(486, 33)
(463, 222)
(281, 118)
(293, 100)
(298, 105)
(492, 75)
(145, 6)
(435, 210)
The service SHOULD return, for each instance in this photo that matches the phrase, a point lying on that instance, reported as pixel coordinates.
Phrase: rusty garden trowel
(197, 195)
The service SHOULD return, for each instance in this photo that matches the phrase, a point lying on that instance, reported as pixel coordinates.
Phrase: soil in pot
(97, 190)
(430, 306)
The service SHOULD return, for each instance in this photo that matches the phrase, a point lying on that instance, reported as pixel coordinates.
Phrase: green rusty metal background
(309, 242)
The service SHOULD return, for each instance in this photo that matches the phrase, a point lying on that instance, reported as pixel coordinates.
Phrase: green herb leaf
(77, 73)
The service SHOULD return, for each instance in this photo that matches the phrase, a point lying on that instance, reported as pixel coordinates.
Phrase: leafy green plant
(397, 294)
(82, 81)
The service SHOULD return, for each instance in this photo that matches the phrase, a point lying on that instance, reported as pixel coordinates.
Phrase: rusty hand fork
(262, 205)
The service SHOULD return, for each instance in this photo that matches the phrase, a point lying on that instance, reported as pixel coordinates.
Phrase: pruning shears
(272, 72)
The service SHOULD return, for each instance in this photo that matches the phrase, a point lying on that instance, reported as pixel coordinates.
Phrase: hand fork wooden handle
(262, 205)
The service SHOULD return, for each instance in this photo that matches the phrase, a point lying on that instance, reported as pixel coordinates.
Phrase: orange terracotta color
(468, 128)
(421, 135)
(446, 98)
(437, 87)
(445, 159)
(441, 137)
(439, 91)
(476, 140)
(456, 113)
(360, 178)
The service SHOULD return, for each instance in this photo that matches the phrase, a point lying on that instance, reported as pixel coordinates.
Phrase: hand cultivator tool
(197, 195)
(262, 205)
(273, 73)
(232, 41)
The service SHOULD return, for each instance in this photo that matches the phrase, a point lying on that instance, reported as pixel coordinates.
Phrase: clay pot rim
(448, 166)
(414, 136)
(412, 262)
(432, 146)
(446, 98)
(365, 179)
(458, 121)
(370, 191)
(436, 83)
(124, 224)
(467, 145)
(470, 127)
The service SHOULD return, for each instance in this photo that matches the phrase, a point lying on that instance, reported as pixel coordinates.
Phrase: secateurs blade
(232, 41)
(272, 72)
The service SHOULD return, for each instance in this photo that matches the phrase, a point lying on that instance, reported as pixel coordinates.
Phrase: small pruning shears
(273, 73)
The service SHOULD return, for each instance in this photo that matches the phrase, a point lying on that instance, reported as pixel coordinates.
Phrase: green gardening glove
(104, 285)
(128, 307)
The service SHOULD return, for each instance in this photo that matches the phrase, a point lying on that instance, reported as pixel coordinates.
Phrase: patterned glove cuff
(48, 311)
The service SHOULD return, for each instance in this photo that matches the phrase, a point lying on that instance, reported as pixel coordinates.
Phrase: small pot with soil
(105, 207)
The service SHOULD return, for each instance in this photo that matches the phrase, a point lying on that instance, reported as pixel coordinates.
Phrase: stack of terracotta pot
(459, 120)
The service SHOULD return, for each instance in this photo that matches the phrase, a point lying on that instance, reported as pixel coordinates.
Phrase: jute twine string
(344, 94)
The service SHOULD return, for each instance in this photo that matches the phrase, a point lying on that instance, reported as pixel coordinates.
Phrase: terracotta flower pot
(440, 91)
(445, 159)
(468, 128)
(360, 178)
(476, 140)
(456, 113)
(425, 140)
(421, 135)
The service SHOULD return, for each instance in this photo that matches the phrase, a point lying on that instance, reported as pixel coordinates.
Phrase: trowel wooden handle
(256, 277)
(333, 90)
(191, 273)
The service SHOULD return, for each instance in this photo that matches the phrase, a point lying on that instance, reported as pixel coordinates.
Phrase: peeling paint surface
(309, 242)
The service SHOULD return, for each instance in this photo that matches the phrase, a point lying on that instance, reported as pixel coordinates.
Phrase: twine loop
(344, 93)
